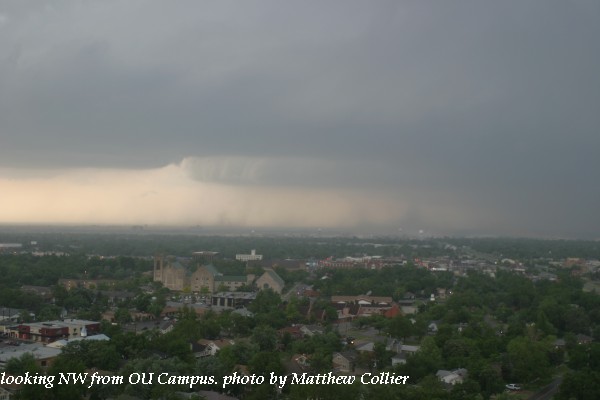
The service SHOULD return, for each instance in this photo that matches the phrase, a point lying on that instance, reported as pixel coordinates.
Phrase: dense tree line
(26, 269)
(123, 241)
(390, 281)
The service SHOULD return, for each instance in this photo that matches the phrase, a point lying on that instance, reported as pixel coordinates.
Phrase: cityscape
(365, 317)
(341, 199)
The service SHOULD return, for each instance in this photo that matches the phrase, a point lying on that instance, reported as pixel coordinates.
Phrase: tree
(528, 359)
(266, 309)
(265, 362)
(468, 390)
(156, 365)
(488, 379)
(265, 337)
(122, 315)
(400, 327)
(265, 302)
(459, 352)
(66, 363)
(334, 392)
(320, 362)
(383, 357)
(21, 365)
(544, 325)
(48, 313)
(239, 353)
(130, 345)
(240, 325)
(142, 302)
(188, 328)
(426, 361)
(584, 385)
(292, 313)
(95, 354)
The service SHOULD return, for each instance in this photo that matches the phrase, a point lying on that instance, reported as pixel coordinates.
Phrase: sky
(454, 118)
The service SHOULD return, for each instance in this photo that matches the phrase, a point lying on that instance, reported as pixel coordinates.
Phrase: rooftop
(39, 352)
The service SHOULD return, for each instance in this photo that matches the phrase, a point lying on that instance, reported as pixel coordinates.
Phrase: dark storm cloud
(487, 111)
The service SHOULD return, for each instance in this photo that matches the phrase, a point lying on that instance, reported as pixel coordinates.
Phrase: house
(44, 355)
(409, 310)
(298, 363)
(10, 389)
(497, 326)
(441, 293)
(9, 314)
(209, 395)
(393, 345)
(452, 377)
(432, 328)
(172, 309)
(5, 394)
(583, 339)
(398, 359)
(402, 351)
(86, 283)
(311, 330)
(109, 315)
(294, 332)
(346, 311)
(311, 293)
(140, 315)
(363, 300)
(313, 312)
(166, 327)
(392, 312)
(367, 347)
(288, 264)
(209, 348)
(344, 361)
(244, 312)
(409, 350)
(302, 360)
(364, 306)
(116, 296)
(44, 292)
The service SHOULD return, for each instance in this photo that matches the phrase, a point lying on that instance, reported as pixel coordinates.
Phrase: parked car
(513, 386)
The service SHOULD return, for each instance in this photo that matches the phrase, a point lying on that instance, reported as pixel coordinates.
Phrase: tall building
(206, 278)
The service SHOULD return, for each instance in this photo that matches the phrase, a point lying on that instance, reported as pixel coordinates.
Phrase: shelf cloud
(453, 118)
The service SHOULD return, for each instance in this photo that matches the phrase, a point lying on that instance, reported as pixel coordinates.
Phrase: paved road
(547, 392)
(292, 291)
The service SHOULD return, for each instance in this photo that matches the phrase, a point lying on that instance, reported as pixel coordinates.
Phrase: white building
(249, 257)
(452, 377)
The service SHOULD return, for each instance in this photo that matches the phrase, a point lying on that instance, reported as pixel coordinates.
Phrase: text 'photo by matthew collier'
(164, 378)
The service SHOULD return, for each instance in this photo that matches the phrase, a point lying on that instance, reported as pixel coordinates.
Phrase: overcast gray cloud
(475, 117)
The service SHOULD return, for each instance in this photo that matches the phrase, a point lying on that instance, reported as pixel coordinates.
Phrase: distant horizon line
(216, 230)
